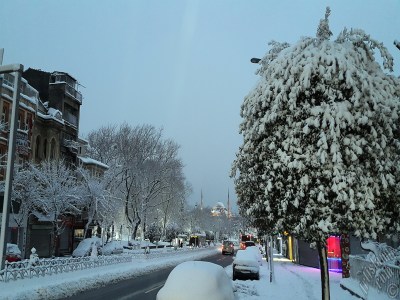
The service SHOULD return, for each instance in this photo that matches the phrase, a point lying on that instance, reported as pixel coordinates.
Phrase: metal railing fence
(384, 277)
(48, 266)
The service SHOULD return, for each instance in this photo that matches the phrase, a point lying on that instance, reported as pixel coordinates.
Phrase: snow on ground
(291, 281)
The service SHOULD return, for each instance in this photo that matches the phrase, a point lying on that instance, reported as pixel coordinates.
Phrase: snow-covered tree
(23, 197)
(102, 145)
(97, 199)
(57, 198)
(172, 230)
(153, 231)
(321, 146)
(150, 170)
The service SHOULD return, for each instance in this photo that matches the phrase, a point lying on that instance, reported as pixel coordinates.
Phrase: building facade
(48, 128)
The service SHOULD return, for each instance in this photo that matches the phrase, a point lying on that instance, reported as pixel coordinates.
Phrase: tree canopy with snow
(149, 172)
(321, 147)
(56, 197)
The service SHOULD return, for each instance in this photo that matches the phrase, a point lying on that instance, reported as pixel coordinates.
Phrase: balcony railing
(70, 118)
(384, 276)
(73, 92)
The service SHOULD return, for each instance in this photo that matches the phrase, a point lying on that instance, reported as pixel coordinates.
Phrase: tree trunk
(55, 241)
(135, 229)
(323, 263)
(89, 221)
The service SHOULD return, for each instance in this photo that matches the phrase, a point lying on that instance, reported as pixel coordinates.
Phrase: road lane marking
(158, 286)
(145, 291)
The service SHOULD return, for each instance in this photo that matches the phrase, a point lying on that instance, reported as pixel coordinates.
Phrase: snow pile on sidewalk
(292, 281)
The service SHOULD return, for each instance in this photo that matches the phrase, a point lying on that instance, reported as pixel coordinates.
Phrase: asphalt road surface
(144, 287)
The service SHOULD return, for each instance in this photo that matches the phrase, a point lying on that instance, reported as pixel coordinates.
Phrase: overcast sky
(180, 65)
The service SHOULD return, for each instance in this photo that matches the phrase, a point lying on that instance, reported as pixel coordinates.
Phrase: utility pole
(271, 259)
(17, 69)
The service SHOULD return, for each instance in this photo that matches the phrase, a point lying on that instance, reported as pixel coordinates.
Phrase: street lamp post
(17, 69)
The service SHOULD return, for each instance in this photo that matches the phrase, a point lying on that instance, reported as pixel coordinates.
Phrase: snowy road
(144, 287)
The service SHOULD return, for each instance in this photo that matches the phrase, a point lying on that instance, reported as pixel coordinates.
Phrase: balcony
(70, 85)
(73, 93)
(70, 118)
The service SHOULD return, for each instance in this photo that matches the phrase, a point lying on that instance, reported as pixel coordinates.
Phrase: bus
(197, 240)
(246, 237)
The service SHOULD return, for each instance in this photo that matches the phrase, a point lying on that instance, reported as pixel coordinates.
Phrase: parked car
(197, 280)
(113, 247)
(13, 253)
(245, 265)
(244, 245)
(85, 247)
(228, 247)
(256, 251)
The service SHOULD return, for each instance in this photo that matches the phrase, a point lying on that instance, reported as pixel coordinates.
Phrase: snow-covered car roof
(13, 249)
(197, 280)
(85, 246)
(256, 251)
(112, 248)
(246, 258)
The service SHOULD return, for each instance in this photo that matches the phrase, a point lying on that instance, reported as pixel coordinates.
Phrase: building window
(4, 115)
(20, 120)
(53, 149)
(45, 148)
(37, 157)
(8, 79)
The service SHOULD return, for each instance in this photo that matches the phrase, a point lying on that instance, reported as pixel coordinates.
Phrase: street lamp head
(397, 44)
(255, 60)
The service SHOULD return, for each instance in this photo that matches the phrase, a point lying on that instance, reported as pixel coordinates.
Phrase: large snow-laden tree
(57, 196)
(148, 169)
(23, 198)
(98, 199)
(321, 146)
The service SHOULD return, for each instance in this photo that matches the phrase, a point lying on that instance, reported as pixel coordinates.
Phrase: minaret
(201, 199)
(229, 206)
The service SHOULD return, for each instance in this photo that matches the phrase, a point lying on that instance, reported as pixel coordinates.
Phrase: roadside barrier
(28, 268)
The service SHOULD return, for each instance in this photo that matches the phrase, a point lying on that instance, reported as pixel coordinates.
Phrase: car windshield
(156, 125)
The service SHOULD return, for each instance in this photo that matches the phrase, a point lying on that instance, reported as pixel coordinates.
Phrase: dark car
(245, 265)
(244, 245)
(228, 247)
(13, 253)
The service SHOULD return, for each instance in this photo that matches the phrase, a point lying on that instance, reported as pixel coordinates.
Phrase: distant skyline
(183, 66)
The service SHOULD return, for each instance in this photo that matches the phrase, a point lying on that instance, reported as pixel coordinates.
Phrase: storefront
(309, 257)
(334, 254)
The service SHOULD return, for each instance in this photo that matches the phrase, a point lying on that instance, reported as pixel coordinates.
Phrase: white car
(256, 251)
(112, 247)
(245, 265)
(85, 247)
(197, 280)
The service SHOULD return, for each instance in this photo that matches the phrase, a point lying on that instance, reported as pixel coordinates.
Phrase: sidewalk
(292, 281)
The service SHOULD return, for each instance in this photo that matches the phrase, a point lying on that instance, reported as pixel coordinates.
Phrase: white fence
(48, 266)
(384, 277)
